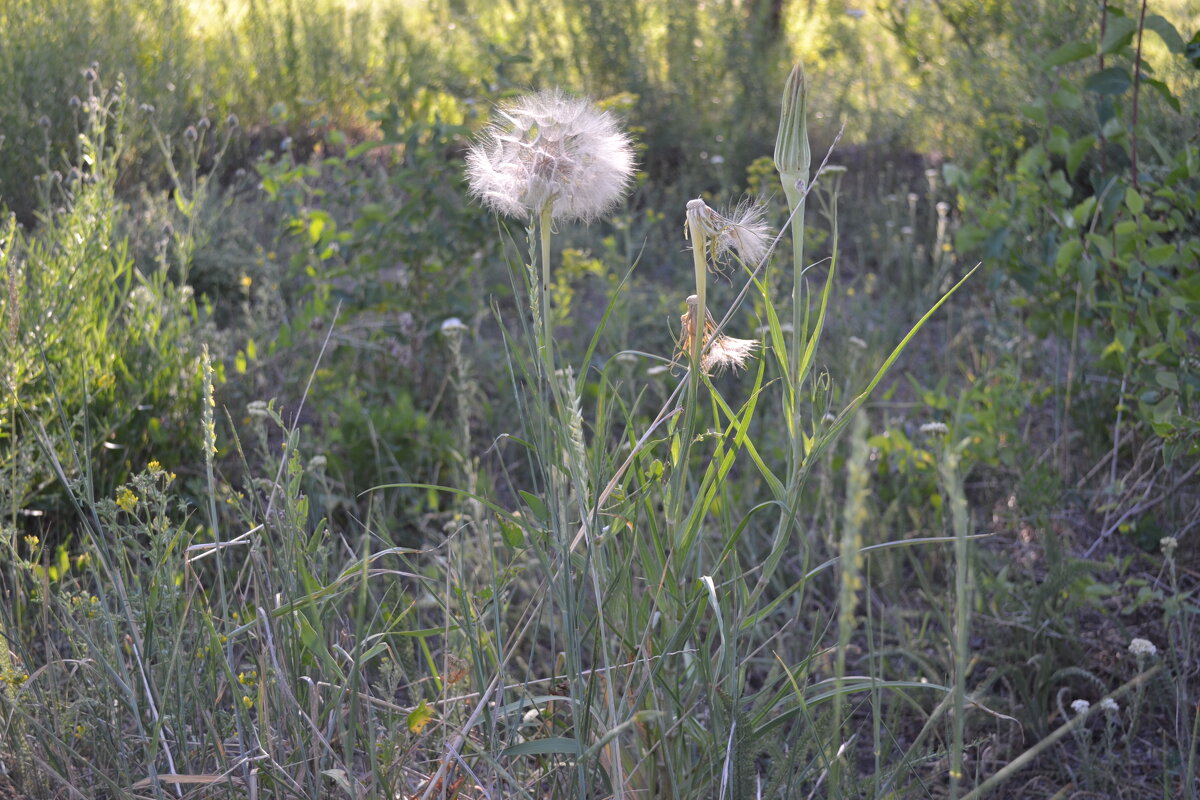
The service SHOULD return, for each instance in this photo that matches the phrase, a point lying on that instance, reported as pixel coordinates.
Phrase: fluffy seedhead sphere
(549, 149)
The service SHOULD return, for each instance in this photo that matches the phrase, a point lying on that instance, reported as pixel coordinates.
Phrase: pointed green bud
(792, 154)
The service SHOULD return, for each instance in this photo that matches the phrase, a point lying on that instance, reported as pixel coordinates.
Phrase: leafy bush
(1098, 231)
(100, 356)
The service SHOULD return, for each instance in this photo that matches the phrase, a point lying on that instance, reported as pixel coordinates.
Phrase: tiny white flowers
(551, 151)
(743, 229)
(1109, 705)
(1080, 706)
(1142, 647)
(935, 428)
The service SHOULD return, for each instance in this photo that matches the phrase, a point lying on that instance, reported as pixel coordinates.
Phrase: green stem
(700, 267)
(544, 230)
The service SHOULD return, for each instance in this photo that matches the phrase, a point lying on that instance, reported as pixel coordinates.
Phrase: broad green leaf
(1078, 150)
(536, 505)
(1165, 91)
(1068, 253)
(1111, 81)
(1119, 33)
(1167, 380)
(1058, 183)
(1166, 31)
(1159, 255)
(1071, 51)
(1134, 201)
(1067, 98)
(511, 533)
(1058, 143)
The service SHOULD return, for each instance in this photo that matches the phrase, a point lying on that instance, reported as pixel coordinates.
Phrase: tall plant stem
(798, 321)
(545, 222)
(700, 267)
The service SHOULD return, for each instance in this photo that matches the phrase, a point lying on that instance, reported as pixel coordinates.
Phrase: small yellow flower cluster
(127, 500)
(13, 677)
(250, 681)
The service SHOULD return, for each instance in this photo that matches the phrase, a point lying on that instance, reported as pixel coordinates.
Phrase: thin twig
(1140, 508)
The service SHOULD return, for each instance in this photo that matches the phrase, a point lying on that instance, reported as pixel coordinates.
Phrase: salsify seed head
(723, 352)
(743, 230)
(550, 149)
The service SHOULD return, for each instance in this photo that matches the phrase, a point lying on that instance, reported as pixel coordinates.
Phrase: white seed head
(453, 326)
(743, 229)
(551, 149)
(727, 352)
(1142, 647)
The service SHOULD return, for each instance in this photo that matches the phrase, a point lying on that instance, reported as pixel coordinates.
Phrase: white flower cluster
(1080, 706)
(1142, 647)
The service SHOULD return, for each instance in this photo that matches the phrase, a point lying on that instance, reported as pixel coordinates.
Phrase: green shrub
(100, 358)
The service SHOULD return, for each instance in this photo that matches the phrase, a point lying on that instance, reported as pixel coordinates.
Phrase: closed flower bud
(792, 154)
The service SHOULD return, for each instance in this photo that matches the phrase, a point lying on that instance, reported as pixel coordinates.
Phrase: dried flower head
(1142, 647)
(721, 352)
(1080, 706)
(551, 150)
(742, 229)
